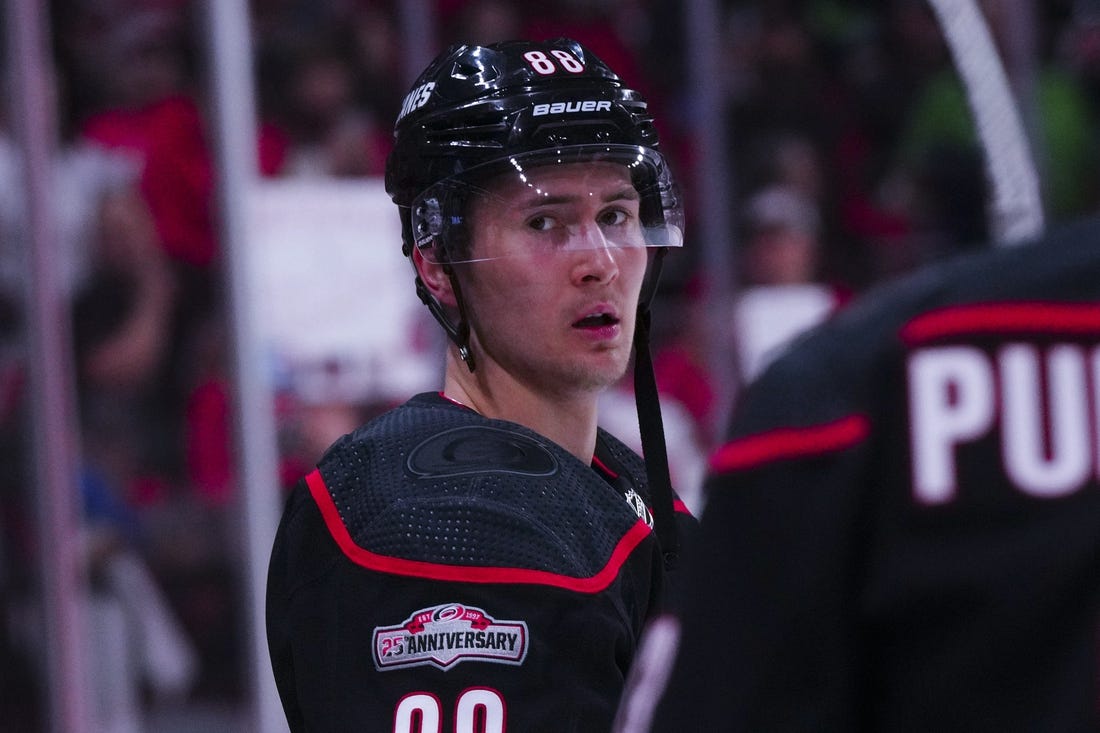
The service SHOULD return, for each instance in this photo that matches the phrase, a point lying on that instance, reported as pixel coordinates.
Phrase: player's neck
(569, 421)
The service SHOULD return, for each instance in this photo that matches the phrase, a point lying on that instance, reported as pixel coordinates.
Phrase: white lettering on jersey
(1040, 397)
(480, 709)
(950, 401)
(424, 707)
(477, 710)
(1066, 466)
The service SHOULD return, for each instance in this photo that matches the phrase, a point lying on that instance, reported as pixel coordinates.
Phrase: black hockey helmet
(478, 111)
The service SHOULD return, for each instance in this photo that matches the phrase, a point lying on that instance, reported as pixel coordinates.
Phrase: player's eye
(541, 223)
(613, 217)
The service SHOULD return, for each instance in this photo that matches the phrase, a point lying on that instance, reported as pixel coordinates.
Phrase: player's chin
(601, 370)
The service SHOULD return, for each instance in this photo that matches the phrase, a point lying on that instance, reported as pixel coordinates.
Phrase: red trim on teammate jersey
(787, 443)
(1002, 318)
(464, 573)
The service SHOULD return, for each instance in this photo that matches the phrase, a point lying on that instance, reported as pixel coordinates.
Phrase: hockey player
(903, 533)
(484, 558)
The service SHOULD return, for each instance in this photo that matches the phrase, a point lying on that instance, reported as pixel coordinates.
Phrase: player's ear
(435, 278)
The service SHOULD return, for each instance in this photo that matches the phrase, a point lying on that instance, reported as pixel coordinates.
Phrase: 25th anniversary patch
(443, 636)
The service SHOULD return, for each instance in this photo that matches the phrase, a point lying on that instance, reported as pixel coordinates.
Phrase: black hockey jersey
(444, 571)
(903, 533)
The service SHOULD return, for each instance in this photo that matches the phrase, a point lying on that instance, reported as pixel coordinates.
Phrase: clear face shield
(548, 202)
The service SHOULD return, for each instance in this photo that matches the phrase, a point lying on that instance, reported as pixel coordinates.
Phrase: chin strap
(459, 333)
(651, 426)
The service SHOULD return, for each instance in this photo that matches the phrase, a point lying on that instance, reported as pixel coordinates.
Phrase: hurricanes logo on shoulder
(442, 636)
(637, 503)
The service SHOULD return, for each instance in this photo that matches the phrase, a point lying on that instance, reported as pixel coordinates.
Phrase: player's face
(553, 303)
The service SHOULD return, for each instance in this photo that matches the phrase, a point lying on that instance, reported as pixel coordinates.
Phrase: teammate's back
(903, 532)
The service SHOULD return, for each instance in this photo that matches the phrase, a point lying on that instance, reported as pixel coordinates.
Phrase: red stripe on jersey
(600, 465)
(678, 505)
(788, 443)
(468, 573)
(1003, 318)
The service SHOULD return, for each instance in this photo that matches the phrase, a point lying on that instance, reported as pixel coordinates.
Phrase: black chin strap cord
(459, 332)
(652, 429)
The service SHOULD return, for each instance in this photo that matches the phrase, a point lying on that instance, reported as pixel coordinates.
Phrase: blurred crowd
(852, 155)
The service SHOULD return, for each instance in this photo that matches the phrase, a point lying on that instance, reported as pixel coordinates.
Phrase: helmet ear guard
(437, 221)
(427, 220)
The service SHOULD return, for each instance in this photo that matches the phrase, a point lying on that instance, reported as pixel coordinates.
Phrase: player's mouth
(598, 321)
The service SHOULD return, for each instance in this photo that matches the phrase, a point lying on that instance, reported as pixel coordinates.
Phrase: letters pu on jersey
(1040, 396)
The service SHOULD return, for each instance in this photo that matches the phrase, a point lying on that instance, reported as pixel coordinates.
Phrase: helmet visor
(547, 202)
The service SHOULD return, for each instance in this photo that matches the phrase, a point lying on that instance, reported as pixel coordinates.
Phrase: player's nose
(596, 258)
